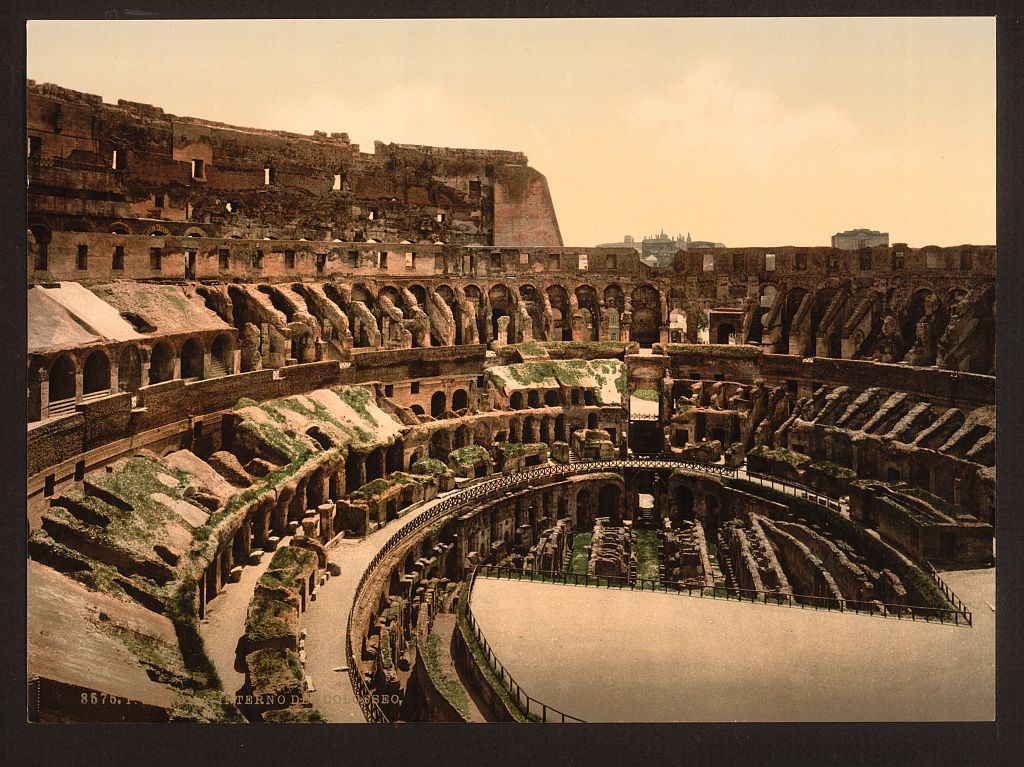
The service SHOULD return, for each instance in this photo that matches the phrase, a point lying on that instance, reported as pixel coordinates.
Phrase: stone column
(207, 359)
(146, 355)
(79, 384)
(177, 367)
(44, 394)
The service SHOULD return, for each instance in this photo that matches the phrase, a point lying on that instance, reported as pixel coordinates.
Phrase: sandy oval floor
(609, 655)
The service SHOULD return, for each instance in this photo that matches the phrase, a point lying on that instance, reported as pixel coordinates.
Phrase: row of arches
(74, 375)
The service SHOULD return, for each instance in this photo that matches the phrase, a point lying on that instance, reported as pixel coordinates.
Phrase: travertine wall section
(109, 164)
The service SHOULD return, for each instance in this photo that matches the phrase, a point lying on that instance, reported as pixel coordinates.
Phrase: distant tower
(689, 239)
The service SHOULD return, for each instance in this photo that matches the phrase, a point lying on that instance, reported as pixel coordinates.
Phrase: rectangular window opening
(118, 260)
(198, 169)
(289, 259)
(222, 258)
(155, 258)
(82, 261)
(336, 187)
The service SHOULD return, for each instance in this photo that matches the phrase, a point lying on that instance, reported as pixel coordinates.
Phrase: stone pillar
(177, 367)
(44, 394)
(207, 359)
(235, 364)
(326, 511)
(79, 384)
(113, 377)
(146, 356)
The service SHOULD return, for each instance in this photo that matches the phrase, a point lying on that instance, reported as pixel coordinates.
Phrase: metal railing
(503, 482)
(956, 615)
(532, 708)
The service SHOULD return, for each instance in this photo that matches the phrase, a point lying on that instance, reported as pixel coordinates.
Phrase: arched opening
(592, 421)
(161, 363)
(586, 298)
(413, 459)
(677, 326)
(561, 321)
(221, 356)
(129, 370)
(353, 472)
(438, 404)
(191, 360)
(375, 464)
(530, 429)
(533, 398)
(608, 503)
(684, 504)
(394, 457)
(561, 433)
(417, 409)
(551, 398)
(460, 400)
(584, 513)
(39, 246)
(515, 401)
(440, 445)
(646, 303)
(96, 374)
(501, 305)
(724, 331)
(62, 379)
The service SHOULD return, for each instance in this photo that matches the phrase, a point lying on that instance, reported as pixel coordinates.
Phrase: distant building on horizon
(659, 250)
(855, 239)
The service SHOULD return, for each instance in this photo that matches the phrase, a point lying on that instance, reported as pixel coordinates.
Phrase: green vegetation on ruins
(444, 680)
(645, 548)
(468, 456)
(606, 376)
(580, 554)
(650, 395)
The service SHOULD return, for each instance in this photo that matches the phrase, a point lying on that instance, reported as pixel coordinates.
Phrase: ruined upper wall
(92, 164)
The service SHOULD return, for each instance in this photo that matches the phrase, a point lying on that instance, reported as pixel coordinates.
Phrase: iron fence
(503, 482)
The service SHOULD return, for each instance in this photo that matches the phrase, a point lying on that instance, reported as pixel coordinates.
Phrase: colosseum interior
(291, 405)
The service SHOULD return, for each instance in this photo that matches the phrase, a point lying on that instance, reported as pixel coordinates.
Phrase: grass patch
(444, 680)
(580, 554)
(647, 560)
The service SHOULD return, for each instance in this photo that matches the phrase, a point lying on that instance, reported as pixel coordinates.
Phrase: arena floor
(608, 655)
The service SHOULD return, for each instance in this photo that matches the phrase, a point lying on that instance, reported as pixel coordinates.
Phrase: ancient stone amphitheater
(289, 401)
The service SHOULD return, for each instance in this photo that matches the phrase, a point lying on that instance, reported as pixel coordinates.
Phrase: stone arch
(646, 305)
(515, 400)
(530, 429)
(551, 398)
(39, 245)
(725, 329)
(161, 363)
(500, 297)
(684, 508)
(222, 354)
(62, 379)
(96, 373)
(394, 461)
(584, 512)
(460, 400)
(608, 502)
(438, 403)
(157, 231)
(191, 359)
(559, 300)
(586, 298)
(119, 227)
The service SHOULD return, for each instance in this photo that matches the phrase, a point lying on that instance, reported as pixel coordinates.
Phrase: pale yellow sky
(743, 131)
